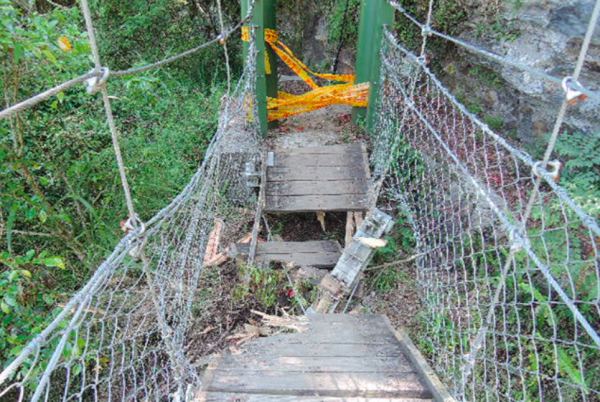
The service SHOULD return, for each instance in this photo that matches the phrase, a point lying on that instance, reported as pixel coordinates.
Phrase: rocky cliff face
(545, 34)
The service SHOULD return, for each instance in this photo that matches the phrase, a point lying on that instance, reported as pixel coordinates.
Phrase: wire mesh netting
(509, 266)
(123, 336)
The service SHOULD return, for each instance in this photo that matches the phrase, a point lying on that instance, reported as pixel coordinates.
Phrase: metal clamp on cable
(131, 224)
(95, 84)
(426, 30)
(571, 86)
(552, 168)
(422, 60)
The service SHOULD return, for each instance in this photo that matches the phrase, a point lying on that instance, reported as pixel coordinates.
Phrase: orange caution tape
(286, 105)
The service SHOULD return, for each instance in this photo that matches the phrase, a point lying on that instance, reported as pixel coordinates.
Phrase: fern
(581, 175)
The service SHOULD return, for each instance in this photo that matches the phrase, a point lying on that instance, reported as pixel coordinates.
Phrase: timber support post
(264, 17)
(374, 16)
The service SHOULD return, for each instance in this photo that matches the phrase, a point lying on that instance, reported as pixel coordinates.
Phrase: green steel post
(266, 84)
(374, 15)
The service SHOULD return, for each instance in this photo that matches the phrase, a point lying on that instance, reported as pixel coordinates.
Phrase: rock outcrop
(545, 34)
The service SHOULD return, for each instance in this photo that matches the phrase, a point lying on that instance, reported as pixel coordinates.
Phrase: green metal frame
(264, 16)
(374, 15)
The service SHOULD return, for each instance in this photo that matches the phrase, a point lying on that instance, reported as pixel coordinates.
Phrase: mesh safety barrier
(508, 266)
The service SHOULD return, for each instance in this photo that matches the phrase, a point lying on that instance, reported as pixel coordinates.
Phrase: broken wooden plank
(260, 205)
(320, 260)
(320, 254)
(349, 227)
(314, 246)
(315, 203)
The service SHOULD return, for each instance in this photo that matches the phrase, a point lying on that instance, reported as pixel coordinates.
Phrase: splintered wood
(212, 257)
(354, 260)
(212, 249)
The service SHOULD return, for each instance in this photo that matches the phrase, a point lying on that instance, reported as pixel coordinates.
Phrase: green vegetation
(580, 154)
(447, 18)
(271, 289)
(60, 196)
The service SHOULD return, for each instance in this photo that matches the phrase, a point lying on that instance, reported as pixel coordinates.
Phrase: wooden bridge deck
(319, 254)
(341, 358)
(315, 179)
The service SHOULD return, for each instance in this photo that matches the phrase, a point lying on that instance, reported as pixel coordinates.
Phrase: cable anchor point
(570, 86)
(96, 83)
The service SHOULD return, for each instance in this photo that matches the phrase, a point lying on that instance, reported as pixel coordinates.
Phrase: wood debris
(297, 323)
(372, 242)
(212, 249)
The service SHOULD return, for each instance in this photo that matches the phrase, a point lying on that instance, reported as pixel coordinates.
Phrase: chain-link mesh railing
(123, 336)
(511, 298)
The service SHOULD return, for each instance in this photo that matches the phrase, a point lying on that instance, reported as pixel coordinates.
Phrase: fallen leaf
(64, 44)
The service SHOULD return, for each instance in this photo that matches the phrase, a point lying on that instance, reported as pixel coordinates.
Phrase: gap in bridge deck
(320, 165)
(319, 172)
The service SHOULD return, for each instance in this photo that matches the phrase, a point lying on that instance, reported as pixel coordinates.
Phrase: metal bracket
(253, 173)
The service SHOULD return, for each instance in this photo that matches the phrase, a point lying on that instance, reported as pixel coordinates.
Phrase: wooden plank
(428, 377)
(244, 397)
(317, 364)
(275, 247)
(324, 384)
(282, 348)
(326, 149)
(317, 260)
(259, 210)
(366, 162)
(314, 203)
(372, 337)
(320, 254)
(354, 157)
(318, 187)
(314, 173)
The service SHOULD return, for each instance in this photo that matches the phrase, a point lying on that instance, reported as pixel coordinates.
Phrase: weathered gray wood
(317, 364)
(340, 356)
(354, 157)
(319, 179)
(326, 149)
(275, 247)
(320, 254)
(310, 203)
(325, 384)
(282, 348)
(309, 173)
(259, 210)
(317, 187)
(244, 397)
(357, 255)
(428, 376)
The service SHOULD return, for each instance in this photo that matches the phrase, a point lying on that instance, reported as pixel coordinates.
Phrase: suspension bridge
(507, 262)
